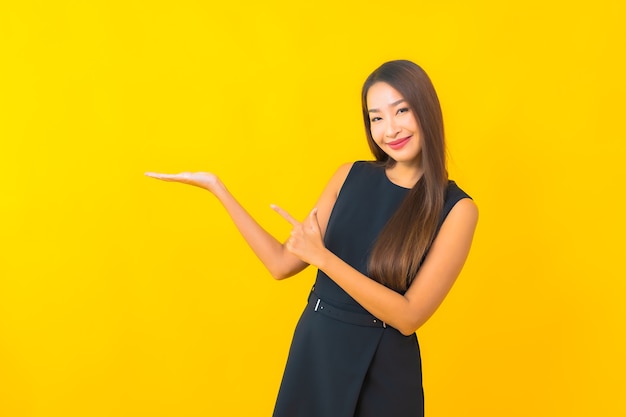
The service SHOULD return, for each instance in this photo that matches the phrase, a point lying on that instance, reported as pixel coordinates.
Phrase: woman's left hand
(305, 241)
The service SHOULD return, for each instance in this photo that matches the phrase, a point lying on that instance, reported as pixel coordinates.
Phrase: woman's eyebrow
(395, 103)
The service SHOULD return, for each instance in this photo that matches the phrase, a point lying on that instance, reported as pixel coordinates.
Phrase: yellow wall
(124, 296)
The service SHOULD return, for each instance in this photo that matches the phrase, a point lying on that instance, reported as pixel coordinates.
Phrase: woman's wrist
(325, 259)
(216, 187)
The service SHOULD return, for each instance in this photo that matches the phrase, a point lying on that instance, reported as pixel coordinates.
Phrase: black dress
(344, 362)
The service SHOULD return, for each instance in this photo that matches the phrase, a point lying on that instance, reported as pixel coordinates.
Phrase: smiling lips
(398, 143)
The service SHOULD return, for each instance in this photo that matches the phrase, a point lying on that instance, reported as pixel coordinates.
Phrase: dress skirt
(340, 369)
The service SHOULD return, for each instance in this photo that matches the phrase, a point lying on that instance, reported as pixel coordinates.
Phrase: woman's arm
(433, 282)
(278, 261)
(272, 253)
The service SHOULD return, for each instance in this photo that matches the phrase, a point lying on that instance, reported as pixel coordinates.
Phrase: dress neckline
(393, 183)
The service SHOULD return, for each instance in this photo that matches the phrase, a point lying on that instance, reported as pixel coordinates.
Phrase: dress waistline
(320, 306)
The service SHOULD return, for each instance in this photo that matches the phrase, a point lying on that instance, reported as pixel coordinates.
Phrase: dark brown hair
(407, 236)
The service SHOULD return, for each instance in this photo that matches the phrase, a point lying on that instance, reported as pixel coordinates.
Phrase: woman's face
(393, 125)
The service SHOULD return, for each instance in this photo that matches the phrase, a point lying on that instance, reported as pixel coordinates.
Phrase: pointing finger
(285, 215)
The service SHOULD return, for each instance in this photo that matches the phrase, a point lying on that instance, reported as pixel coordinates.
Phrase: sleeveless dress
(344, 362)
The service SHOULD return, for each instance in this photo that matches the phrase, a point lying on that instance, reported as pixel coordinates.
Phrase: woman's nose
(392, 129)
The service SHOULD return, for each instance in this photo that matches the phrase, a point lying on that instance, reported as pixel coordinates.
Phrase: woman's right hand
(205, 180)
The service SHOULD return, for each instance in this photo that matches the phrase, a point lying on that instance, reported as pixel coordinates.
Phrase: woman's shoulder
(351, 172)
(354, 167)
(456, 197)
(454, 192)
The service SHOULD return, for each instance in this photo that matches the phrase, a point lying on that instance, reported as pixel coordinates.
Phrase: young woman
(389, 238)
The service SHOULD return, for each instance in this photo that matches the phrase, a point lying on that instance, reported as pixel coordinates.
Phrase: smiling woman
(389, 238)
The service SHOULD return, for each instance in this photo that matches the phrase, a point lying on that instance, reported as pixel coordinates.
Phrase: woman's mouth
(399, 143)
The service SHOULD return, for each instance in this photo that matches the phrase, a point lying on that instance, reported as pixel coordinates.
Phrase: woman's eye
(403, 110)
(375, 119)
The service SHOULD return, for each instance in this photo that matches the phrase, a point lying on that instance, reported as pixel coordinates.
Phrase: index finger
(285, 215)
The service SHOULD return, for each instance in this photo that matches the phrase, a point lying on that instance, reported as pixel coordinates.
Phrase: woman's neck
(405, 175)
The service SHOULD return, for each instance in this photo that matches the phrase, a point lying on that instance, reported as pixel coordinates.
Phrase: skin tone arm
(280, 262)
(434, 280)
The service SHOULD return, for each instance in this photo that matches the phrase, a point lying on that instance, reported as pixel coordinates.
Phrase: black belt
(359, 319)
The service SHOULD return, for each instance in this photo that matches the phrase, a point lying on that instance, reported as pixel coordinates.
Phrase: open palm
(204, 180)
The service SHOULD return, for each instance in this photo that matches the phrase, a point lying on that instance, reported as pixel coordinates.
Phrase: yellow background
(125, 296)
